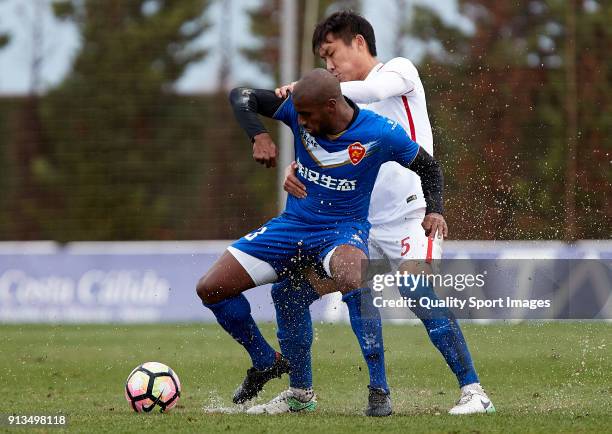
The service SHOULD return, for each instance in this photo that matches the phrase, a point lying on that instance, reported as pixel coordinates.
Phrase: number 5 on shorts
(405, 246)
(252, 235)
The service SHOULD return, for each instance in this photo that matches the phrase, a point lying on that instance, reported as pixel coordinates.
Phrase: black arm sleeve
(432, 180)
(248, 103)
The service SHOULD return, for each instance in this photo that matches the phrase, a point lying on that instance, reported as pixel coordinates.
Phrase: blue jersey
(339, 171)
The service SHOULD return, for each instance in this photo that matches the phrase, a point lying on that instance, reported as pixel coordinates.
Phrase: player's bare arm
(248, 104)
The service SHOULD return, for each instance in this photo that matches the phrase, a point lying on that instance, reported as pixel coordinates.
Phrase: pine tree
(265, 25)
(110, 164)
(498, 96)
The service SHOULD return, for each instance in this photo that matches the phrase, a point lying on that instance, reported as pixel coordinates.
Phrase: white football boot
(473, 400)
(289, 401)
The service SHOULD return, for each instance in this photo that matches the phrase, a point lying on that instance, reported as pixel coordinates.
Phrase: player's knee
(415, 267)
(345, 266)
(207, 291)
(201, 289)
(348, 284)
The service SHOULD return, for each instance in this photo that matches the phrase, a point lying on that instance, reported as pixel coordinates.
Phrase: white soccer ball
(152, 385)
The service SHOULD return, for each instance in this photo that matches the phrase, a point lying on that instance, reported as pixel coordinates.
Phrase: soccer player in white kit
(345, 41)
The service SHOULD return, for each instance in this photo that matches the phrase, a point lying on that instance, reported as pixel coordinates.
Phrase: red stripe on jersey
(410, 121)
(428, 258)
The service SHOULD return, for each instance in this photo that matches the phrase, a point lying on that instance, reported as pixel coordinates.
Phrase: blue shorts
(287, 244)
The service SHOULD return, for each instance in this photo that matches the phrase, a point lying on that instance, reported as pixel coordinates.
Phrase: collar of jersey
(374, 70)
(353, 119)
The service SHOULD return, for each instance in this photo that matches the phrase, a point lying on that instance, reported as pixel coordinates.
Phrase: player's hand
(283, 91)
(264, 150)
(433, 224)
(292, 184)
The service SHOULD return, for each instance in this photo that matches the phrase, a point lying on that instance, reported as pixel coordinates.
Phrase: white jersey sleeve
(381, 86)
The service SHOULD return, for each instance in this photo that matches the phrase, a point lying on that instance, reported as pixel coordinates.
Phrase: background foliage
(113, 153)
(498, 100)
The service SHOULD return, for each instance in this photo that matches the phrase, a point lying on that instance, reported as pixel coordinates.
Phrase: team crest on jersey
(356, 153)
(326, 159)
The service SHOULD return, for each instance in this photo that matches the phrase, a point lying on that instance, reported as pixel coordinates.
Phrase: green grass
(552, 377)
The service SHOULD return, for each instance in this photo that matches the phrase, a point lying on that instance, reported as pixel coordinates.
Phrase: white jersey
(394, 90)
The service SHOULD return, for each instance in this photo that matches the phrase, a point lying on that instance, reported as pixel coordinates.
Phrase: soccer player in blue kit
(339, 150)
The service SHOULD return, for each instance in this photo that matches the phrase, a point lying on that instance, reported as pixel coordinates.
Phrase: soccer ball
(151, 385)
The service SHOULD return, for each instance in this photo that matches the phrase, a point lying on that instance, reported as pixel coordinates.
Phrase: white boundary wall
(44, 281)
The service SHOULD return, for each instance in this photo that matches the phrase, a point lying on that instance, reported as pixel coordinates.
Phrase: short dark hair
(345, 25)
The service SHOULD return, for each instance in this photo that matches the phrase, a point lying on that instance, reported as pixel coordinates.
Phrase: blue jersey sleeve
(286, 112)
(398, 144)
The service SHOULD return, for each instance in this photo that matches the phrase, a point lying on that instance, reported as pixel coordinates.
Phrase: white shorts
(403, 240)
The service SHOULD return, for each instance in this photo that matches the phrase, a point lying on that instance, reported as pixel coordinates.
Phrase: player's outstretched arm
(397, 77)
(248, 104)
(382, 86)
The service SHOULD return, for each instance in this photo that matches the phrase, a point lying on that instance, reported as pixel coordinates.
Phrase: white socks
(474, 388)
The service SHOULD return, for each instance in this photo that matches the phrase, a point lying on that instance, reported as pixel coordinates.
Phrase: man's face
(341, 59)
(315, 117)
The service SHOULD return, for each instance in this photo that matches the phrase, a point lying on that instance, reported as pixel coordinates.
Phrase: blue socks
(234, 315)
(445, 333)
(367, 326)
(292, 298)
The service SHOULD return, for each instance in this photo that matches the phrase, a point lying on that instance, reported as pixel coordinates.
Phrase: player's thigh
(253, 260)
(325, 284)
(406, 246)
(225, 279)
(346, 264)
